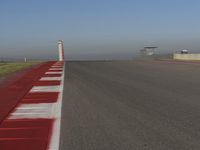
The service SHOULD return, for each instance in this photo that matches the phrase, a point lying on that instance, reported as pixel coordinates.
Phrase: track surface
(138, 105)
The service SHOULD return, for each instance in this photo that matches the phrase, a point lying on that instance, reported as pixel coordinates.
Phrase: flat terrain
(131, 105)
(9, 68)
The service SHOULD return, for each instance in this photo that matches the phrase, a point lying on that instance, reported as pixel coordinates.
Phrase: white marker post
(61, 50)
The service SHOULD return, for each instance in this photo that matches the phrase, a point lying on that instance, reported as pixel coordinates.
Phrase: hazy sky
(97, 28)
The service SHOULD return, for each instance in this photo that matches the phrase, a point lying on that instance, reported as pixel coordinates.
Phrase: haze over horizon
(94, 29)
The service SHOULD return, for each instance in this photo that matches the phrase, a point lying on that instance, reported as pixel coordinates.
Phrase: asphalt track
(131, 105)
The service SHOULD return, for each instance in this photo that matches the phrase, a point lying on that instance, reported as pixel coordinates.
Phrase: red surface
(29, 134)
(52, 75)
(41, 97)
(58, 65)
(46, 83)
(11, 94)
(55, 70)
(26, 134)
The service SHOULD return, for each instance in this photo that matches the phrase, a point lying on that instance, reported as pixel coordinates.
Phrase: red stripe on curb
(34, 138)
(58, 65)
(52, 75)
(54, 70)
(24, 133)
(41, 97)
(11, 123)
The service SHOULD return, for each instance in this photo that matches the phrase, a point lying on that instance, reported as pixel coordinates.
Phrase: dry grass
(9, 68)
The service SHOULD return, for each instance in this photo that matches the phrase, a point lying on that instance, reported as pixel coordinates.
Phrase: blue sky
(97, 28)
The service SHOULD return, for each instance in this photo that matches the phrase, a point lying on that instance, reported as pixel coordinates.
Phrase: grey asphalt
(131, 105)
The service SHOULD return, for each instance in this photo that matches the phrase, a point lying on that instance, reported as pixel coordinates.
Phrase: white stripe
(31, 111)
(56, 69)
(55, 140)
(45, 89)
(50, 78)
(31, 116)
(58, 72)
(30, 108)
(27, 114)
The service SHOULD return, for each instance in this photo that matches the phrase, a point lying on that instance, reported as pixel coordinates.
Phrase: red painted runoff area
(40, 97)
(11, 95)
(28, 134)
(52, 75)
(61, 63)
(54, 70)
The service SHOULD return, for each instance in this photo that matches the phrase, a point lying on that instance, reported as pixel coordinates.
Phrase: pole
(61, 50)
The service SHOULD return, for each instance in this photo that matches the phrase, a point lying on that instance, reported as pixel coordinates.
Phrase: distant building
(148, 51)
(184, 51)
(185, 55)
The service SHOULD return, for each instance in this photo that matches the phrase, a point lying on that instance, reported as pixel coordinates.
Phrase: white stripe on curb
(55, 140)
(31, 111)
(45, 89)
(51, 78)
(57, 72)
(56, 69)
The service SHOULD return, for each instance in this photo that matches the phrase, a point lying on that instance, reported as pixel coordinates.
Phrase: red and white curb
(55, 140)
(37, 118)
